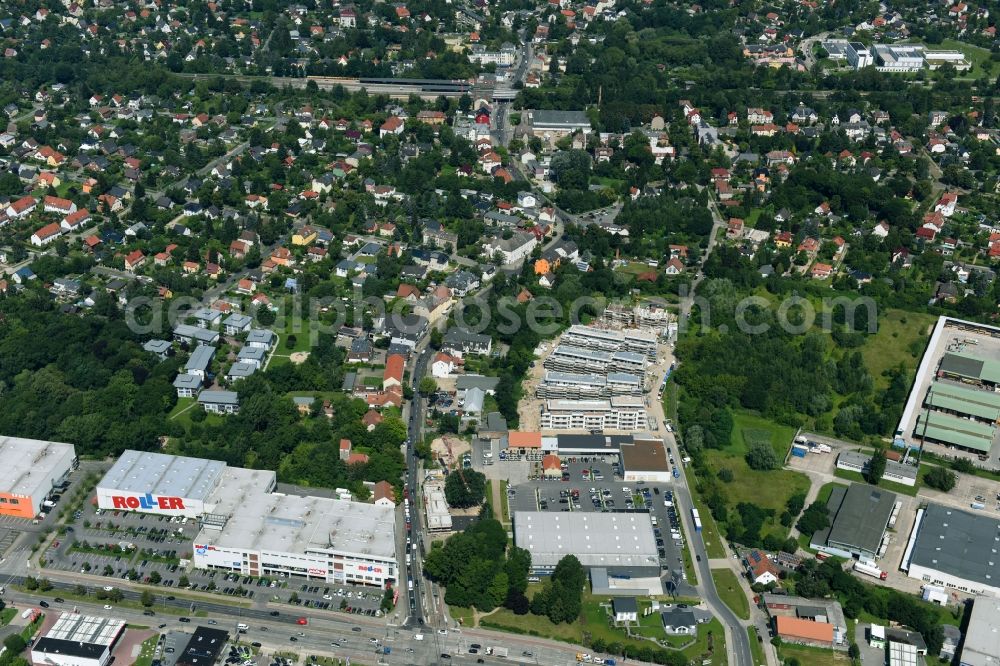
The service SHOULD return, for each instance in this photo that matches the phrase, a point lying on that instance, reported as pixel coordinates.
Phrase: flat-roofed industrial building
(859, 515)
(78, 640)
(616, 541)
(954, 548)
(31, 469)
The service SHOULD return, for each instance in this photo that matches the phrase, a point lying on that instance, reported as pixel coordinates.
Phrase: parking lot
(156, 550)
(595, 486)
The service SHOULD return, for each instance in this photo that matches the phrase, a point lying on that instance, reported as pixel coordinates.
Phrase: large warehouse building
(78, 640)
(954, 548)
(31, 468)
(859, 515)
(248, 528)
(619, 542)
(982, 636)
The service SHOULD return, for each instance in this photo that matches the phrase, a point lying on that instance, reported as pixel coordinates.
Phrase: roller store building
(247, 527)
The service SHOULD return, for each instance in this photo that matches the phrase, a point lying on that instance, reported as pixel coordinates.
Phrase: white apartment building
(618, 413)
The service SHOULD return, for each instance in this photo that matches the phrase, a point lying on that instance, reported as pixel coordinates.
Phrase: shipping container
(799, 451)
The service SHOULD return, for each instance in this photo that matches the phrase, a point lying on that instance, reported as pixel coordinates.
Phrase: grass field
(145, 657)
(709, 529)
(756, 649)
(767, 489)
(594, 622)
(812, 656)
(748, 428)
(459, 614)
(636, 268)
(6, 615)
(978, 56)
(900, 339)
(731, 593)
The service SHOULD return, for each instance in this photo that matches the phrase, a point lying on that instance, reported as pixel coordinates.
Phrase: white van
(418, 637)
(242, 627)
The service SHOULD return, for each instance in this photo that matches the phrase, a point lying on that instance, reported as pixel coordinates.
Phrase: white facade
(620, 413)
(858, 55)
(247, 528)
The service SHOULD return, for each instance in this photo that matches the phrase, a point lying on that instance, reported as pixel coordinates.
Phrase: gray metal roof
(200, 359)
(157, 346)
(597, 539)
(982, 637)
(260, 335)
(161, 474)
(31, 465)
(559, 119)
(466, 382)
(219, 397)
(251, 354)
(240, 370)
(192, 382)
(861, 517)
(237, 320)
(959, 543)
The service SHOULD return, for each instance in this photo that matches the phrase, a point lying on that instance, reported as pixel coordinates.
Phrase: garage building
(31, 468)
(78, 640)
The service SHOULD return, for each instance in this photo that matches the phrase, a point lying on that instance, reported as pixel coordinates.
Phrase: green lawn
(594, 623)
(812, 656)
(731, 593)
(826, 490)
(459, 614)
(709, 529)
(612, 183)
(182, 404)
(6, 615)
(748, 428)
(978, 56)
(767, 489)
(899, 488)
(636, 268)
(900, 339)
(145, 657)
(756, 649)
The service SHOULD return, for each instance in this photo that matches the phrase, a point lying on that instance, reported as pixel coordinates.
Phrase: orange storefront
(19, 506)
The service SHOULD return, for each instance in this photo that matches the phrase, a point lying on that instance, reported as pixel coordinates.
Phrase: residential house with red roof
(46, 234)
(134, 260)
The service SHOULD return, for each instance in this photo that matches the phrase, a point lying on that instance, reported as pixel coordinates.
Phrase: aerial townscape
(547, 333)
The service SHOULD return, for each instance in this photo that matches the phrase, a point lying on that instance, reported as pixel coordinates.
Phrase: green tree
(761, 456)
(814, 518)
(265, 316)
(940, 478)
(154, 577)
(183, 581)
(427, 386)
(147, 599)
(15, 644)
(876, 467)
(465, 488)
(116, 595)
